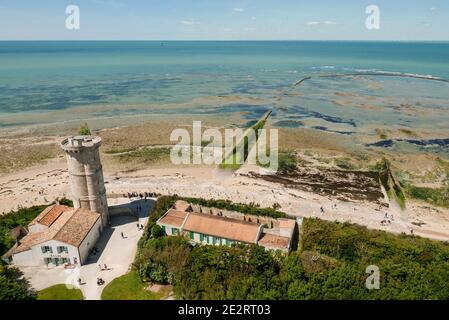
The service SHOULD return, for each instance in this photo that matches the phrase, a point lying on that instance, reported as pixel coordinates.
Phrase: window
(46, 249)
(174, 231)
(163, 228)
(192, 235)
(47, 260)
(227, 242)
(63, 249)
(201, 237)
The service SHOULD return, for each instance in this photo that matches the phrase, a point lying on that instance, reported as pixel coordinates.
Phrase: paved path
(116, 252)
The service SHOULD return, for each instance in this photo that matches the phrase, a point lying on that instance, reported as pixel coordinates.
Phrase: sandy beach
(44, 183)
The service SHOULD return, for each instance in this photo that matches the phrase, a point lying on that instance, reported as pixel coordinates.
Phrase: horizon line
(224, 40)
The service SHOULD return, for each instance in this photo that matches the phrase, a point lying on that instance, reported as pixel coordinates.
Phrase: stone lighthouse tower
(86, 174)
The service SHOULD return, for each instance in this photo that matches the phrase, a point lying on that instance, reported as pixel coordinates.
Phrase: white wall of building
(89, 242)
(24, 258)
(35, 256)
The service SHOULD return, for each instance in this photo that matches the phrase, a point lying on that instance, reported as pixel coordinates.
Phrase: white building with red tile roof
(58, 235)
(207, 228)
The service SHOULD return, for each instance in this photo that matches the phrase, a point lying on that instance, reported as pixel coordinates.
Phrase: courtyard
(115, 254)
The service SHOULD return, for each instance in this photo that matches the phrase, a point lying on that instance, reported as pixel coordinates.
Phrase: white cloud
(253, 18)
(328, 23)
(227, 29)
(433, 9)
(238, 9)
(190, 22)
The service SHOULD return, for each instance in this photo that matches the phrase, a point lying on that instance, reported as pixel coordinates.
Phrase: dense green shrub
(160, 259)
(331, 264)
(287, 162)
(243, 208)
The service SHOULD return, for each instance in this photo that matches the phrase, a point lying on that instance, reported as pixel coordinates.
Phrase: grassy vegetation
(438, 197)
(119, 150)
(84, 130)
(130, 287)
(330, 263)
(388, 181)
(234, 161)
(345, 164)
(381, 134)
(408, 132)
(60, 292)
(146, 155)
(23, 156)
(287, 162)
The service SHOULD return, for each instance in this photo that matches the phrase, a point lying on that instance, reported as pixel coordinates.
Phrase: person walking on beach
(123, 236)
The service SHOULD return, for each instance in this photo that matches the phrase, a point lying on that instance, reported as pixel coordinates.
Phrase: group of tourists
(141, 195)
(387, 219)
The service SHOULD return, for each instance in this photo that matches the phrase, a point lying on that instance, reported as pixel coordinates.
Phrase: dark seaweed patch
(430, 142)
(384, 144)
(305, 113)
(289, 123)
(333, 131)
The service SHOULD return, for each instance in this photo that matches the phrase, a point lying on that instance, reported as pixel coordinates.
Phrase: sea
(350, 86)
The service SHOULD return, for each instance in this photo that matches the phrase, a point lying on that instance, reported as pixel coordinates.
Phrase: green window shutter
(192, 235)
(227, 242)
(163, 228)
(201, 237)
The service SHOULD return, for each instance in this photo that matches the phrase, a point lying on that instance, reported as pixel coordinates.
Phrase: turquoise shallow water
(38, 78)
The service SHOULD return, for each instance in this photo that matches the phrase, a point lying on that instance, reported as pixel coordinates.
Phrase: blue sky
(224, 20)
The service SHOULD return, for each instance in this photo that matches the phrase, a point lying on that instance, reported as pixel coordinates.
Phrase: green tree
(12, 286)
(84, 130)
(157, 231)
